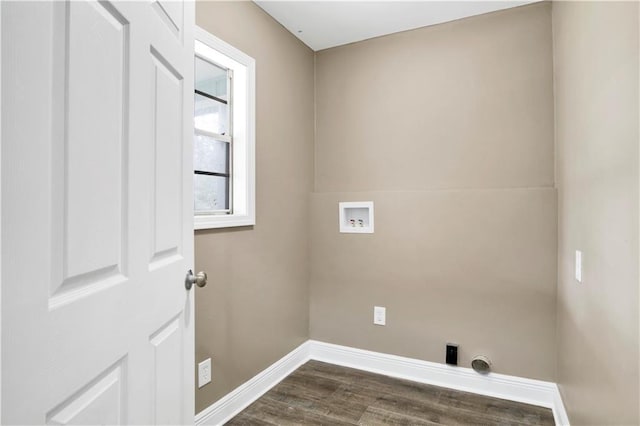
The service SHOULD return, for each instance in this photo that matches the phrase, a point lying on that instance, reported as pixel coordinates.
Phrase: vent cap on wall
(481, 364)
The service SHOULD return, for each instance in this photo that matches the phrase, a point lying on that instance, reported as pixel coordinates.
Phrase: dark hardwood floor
(324, 394)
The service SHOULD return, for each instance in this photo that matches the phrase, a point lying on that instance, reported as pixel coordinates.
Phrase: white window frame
(243, 195)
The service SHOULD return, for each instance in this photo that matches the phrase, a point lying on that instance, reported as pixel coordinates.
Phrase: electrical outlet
(379, 315)
(204, 372)
(451, 356)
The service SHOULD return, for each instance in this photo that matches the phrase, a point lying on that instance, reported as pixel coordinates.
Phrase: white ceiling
(324, 24)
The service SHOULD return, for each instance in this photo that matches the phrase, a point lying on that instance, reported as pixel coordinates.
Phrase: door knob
(199, 279)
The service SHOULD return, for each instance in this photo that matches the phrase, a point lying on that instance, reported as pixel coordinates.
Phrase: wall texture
(596, 85)
(255, 308)
(449, 130)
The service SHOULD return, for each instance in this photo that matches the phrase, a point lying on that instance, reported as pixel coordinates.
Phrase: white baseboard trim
(244, 395)
(512, 388)
(559, 411)
(529, 391)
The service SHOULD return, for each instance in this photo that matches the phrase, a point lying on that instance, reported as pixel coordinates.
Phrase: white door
(97, 326)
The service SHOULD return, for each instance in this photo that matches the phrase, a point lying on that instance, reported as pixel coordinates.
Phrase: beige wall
(596, 81)
(466, 104)
(449, 130)
(255, 308)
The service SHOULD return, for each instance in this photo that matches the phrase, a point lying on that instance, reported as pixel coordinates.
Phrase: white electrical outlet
(379, 315)
(204, 372)
(578, 266)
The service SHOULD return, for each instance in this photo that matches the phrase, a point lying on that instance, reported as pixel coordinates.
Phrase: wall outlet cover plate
(379, 315)
(204, 372)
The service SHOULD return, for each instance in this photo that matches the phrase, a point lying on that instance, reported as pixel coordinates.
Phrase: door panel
(90, 149)
(97, 327)
(102, 398)
(95, 138)
(171, 14)
(167, 189)
(167, 348)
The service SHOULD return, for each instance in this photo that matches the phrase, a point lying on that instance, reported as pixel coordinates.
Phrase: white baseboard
(241, 397)
(559, 411)
(529, 391)
(536, 392)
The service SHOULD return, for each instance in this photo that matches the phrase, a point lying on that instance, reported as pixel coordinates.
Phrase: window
(224, 135)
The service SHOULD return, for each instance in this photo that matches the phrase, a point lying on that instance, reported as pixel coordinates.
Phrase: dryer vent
(481, 364)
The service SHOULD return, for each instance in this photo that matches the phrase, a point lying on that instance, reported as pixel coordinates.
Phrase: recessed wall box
(356, 217)
(452, 354)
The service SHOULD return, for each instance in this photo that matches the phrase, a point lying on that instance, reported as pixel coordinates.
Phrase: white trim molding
(243, 158)
(244, 395)
(535, 392)
(529, 391)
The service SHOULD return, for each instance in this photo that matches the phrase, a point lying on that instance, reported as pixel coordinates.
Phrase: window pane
(210, 193)
(211, 79)
(210, 155)
(211, 116)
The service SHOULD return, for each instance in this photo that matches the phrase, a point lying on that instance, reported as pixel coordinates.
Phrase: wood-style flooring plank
(323, 394)
(378, 416)
(278, 413)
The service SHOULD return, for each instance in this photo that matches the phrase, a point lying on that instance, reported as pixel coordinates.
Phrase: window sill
(222, 221)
